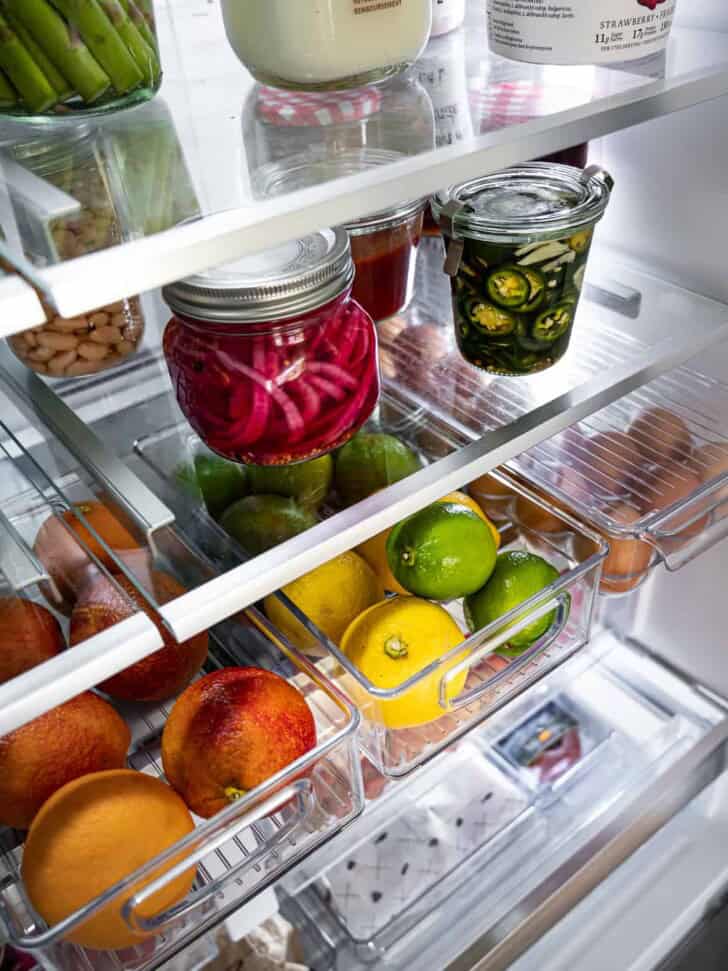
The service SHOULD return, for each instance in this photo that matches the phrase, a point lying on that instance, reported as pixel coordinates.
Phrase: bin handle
(560, 602)
(299, 790)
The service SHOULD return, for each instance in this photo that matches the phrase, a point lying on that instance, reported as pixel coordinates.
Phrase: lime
(371, 461)
(331, 596)
(442, 552)
(260, 522)
(307, 482)
(518, 575)
(218, 481)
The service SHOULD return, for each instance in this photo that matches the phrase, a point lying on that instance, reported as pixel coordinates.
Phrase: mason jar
(271, 359)
(517, 247)
(77, 58)
(312, 46)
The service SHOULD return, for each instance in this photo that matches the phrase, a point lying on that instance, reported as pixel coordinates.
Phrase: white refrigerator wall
(670, 205)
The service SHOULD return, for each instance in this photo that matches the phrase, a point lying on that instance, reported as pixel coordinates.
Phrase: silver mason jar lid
(291, 279)
(534, 200)
(316, 166)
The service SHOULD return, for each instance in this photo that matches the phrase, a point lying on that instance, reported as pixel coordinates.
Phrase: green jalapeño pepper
(553, 323)
(508, 287)
(579, 242)
(492, 320)
(537, 289)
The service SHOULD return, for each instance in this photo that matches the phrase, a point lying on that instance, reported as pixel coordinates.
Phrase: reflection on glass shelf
(198, 148)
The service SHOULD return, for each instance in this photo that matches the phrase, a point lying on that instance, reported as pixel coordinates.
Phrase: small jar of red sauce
(384, 247)
(271, 359)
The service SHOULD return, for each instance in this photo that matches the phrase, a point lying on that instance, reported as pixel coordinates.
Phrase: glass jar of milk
(316, 45)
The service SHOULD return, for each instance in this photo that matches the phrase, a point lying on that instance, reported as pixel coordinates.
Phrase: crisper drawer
(38, 530)
(478, 854)
(487, 680)
(233, 854)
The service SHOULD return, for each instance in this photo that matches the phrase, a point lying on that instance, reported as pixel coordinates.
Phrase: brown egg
(612, 457)
(660, 434)
(669, 486)
(534, 516)
(387, 332)
(487, 485)
(710, 462)
(628, 560)
(495, 498)
(421, 345)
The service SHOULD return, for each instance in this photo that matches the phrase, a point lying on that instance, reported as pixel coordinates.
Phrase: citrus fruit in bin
(463, 499)
(92, 833)
(29, 635)
(394, 640)
(66, 560)
(374, 550)
(260, 522)
(102, 604)
(332, 595)
(84, 734)
(306, 482)
(229, 732)
(218, 481)
(518, 575)
(442, 552)
(372, 461)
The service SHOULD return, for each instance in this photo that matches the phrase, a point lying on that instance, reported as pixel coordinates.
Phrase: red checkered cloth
(504, 103)
(299, 108)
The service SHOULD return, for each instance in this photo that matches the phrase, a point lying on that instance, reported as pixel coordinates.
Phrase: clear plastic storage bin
(237, 852)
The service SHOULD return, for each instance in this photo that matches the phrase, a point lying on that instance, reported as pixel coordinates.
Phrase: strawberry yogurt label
(579, 31)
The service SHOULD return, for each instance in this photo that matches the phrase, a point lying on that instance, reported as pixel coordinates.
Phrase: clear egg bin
(649, 472)
(478, 828)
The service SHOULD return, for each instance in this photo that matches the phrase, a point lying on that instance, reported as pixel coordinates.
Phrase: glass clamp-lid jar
(383, 244)
(311, 46)
(271, 359)
(517, 246)
(76, 57)
(384, 247)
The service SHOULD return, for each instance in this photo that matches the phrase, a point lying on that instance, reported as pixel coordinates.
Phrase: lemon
(518, 575)
(332, 595)
(394, 640)
(374, 550)
(442, 552)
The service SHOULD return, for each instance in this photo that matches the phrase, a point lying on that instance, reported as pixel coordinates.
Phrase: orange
(92, 833)
(374, 550)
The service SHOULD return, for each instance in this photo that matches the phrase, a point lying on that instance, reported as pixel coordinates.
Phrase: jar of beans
(70, 347)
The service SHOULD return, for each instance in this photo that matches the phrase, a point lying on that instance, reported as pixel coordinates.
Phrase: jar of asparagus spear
(58, 57)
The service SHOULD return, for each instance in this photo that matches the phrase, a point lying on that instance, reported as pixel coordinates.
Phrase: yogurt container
(312, 46)
(579, 31)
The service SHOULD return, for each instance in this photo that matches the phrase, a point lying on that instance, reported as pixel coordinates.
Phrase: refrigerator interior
(447, 843)
(465, 840)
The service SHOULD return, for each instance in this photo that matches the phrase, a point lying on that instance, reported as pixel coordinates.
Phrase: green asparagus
(61, 86)
(34, 87)
(63, 46)
(102, 40)
(140, 22)
(8, 94)
(143, 54)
